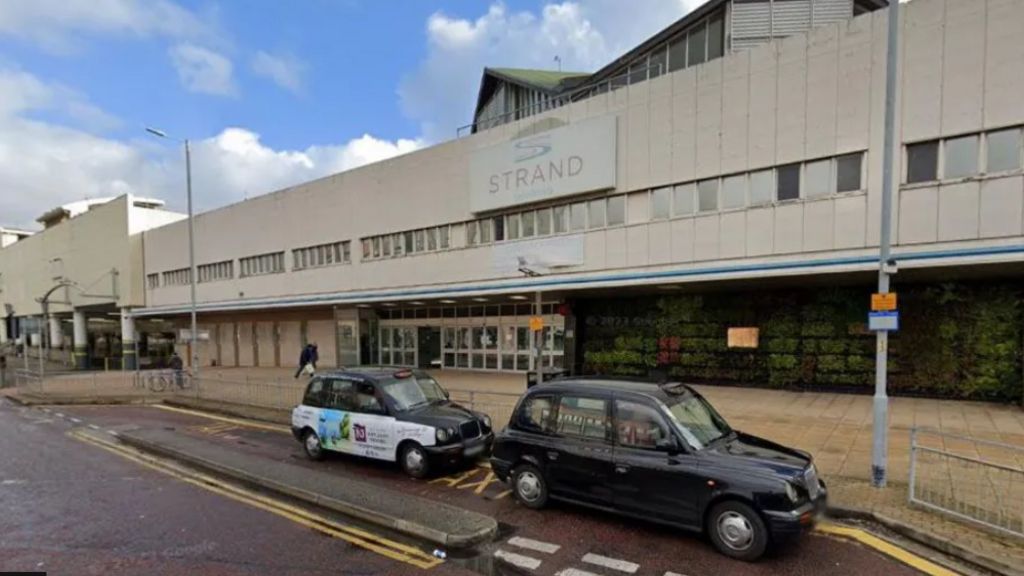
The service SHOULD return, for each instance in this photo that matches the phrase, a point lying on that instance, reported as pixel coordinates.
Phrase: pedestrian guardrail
(980, 481)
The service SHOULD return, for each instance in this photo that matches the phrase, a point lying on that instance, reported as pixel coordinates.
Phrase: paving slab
(432, 521)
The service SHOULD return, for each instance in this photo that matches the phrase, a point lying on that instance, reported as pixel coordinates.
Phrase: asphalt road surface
(73, 508)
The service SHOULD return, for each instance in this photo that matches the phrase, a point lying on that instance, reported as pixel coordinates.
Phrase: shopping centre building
(708, 205)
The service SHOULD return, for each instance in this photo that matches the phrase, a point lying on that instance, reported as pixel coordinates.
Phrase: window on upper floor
(682, 199)
(152, 281)
(617, 210)
(734, 192)
(848, 172)
(716, 36)
(762, 187)
(597, 213)
(1003, 151)
(656, 64)
(788, 182)
(578, 216)
(923, 162)
(696, 46)
(677, 53)
(661, 203)
(707, 195)
(961, 157)
(818, 179)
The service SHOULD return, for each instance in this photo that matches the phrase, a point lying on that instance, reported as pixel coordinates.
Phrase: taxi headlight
(442, 435)
(791, 492)
(487, 422)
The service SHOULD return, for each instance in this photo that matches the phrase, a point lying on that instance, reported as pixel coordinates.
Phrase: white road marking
(46, 409)
(575, 572)
(611, 563)
(12, 482)
(518, 560)
(674, 574)
(60, 414)
(112, 432)
(94, 427)
(535, 545)
(76, 420)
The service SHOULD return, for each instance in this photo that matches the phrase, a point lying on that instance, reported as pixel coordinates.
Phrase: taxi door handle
(621, 469)
(552, 455)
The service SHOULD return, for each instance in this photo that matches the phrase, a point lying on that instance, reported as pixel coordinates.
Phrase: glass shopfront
(483, 337)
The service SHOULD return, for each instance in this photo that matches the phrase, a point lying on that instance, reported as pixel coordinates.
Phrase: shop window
(848, 171)
(762, 187)
(682, 199)
(707, 195)
(961, 155)
(922, 162)
(661, 203)
(734, 192)
(617, 210)
(1004, 150)
(818, 179)
(788, 182)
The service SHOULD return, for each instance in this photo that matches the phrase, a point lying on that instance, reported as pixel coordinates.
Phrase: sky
(270, 94)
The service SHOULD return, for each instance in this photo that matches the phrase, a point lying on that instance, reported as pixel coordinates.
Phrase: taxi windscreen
(413, 392)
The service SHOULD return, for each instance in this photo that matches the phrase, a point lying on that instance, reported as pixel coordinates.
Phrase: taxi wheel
(311, 445)
(413, 460)
(737, 531)
(530, 487)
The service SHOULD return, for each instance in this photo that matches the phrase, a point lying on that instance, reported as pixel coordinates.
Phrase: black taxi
(659, 453)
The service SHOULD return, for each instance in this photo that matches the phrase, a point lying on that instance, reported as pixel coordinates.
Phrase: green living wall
(956, 340)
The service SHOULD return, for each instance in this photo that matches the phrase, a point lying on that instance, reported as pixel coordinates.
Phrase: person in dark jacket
(306, 358)
(177, 366)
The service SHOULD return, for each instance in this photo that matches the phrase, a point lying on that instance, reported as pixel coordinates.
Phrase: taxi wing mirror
(669, 445)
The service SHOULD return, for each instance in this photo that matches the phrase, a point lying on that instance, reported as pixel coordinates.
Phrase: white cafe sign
(573, 159)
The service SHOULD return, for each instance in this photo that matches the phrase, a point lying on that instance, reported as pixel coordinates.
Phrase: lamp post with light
(191, 247)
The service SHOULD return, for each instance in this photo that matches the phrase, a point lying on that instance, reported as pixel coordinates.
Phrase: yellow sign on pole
(883, 302)
(536, 323)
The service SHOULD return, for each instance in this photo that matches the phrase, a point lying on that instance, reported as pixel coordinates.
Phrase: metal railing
(980, 481)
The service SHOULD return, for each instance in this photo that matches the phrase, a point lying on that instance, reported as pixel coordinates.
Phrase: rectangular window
(216, 272)
(485, 232)
(409, 248)
(716, 36)
(579, 216)
(471, 230)
(366, 251)
(431, 238)
(512, 226)
(152, 281)
(1004, 150)
(696, 46)
(682, 199)
(922, 162)
(617, 210)
(262, 264)
(638, 71)
(961, 157)
(818, 179)
(848, 172)
(386, 246)
(376, 247)
(661, 203)
(535, 413)
(677, 53)
(560, 217)
(656, 65)
(762, 187)
(346, 252)
(734, 192)
(418, 235)
(528, 223)
(444, 235)
(397, 243)
(583, 417)
(788, 182)
(639, 426)
(597, 213)
(499, 228)
(543, 221)
(707, 195)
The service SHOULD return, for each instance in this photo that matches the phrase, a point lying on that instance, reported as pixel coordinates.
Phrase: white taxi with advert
(392, 414)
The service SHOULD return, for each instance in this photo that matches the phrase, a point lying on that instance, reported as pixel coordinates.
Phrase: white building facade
(759, 167)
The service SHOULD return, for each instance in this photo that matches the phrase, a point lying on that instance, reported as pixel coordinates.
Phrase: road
(74, 505)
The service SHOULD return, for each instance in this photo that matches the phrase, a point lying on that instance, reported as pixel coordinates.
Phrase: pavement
(561, 540)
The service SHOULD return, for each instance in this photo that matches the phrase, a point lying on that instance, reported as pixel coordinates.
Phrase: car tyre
(312, 447)
(414, 460)
(737, 531)
(531, 489)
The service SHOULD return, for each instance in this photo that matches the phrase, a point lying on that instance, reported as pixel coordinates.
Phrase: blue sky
(273, 93)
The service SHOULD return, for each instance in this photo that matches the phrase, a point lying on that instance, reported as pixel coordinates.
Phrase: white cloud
(586, 34)
(59, 25)
(286, 71)
(203, 70)
(44, 164)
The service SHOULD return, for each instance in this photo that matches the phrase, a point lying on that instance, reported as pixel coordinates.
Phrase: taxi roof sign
(883, 302)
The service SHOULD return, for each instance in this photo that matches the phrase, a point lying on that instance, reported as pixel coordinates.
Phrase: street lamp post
(193, 333)
(880, 442)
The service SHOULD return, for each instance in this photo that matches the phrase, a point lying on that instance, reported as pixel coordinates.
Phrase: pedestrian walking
(307, 364)
(178, 367)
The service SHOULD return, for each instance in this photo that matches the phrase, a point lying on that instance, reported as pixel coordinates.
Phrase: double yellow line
(887, 548)
(355, 536)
